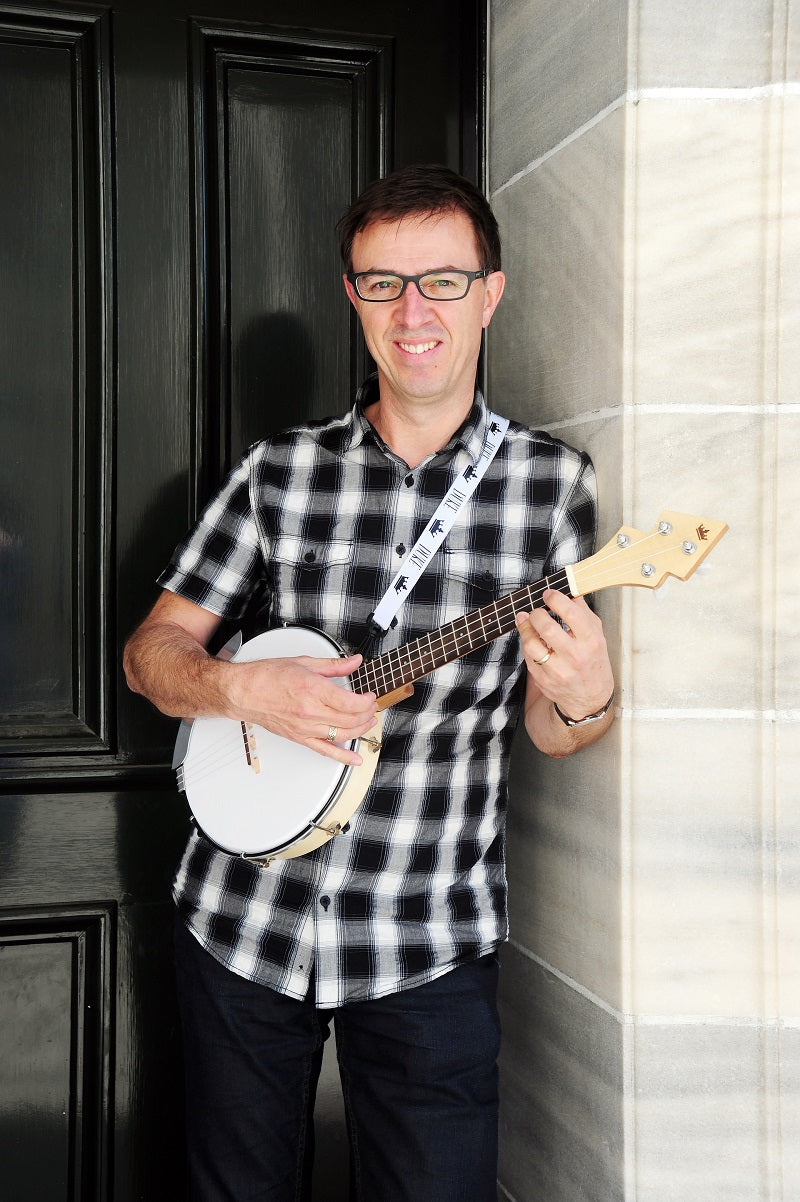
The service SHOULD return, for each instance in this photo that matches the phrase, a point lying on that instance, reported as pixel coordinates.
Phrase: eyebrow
(394, 271)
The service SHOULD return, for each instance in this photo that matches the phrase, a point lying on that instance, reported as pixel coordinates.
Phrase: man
(391, 928)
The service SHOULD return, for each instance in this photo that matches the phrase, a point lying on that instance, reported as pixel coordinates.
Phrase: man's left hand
(568, 665)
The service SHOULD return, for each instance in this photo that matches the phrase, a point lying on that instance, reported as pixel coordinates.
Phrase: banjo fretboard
(416, 659)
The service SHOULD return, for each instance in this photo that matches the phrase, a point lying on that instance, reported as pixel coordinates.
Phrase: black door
(169, 291)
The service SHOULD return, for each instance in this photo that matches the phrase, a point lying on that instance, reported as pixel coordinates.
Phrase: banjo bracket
(330, 831)
(333, 831)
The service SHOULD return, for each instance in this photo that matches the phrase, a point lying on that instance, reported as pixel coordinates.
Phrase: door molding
(58, 385)
(222, 54)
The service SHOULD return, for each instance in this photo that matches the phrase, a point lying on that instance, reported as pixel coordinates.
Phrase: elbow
(129, 668)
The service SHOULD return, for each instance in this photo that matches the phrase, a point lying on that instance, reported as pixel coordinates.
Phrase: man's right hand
(298, 698)
(166, 661)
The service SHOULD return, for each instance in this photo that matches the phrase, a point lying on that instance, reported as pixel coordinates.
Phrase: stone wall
(645, 170)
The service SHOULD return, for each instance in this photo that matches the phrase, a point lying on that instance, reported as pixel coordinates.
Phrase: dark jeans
(419, 1080)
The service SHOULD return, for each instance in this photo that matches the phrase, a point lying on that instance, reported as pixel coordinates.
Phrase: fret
(394, 670)
(387, 672)
(462, 638)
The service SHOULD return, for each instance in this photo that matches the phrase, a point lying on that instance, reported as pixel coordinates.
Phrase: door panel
(54, 383)
(171, 291)
(287, 127)
(55, 1006)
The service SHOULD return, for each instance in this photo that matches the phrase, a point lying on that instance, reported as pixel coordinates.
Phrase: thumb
(339, 666)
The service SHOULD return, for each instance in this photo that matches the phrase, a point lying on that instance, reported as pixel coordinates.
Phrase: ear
(351, 292)
(493, 290)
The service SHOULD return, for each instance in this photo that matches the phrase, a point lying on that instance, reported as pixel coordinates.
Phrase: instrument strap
(437, 529)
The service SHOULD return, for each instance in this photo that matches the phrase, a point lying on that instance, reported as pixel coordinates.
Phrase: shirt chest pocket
(474, 580)
(309, 580)
(471, 582)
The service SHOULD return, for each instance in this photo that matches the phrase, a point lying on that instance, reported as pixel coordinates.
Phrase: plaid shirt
(315, 522)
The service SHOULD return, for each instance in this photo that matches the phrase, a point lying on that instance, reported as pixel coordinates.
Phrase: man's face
(425, 350)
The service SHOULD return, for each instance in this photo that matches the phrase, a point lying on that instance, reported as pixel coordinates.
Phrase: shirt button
(309, 557)
(325, 902)
(400, 549)
(409, 480)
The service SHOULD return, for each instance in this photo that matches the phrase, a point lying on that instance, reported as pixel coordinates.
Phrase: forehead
(417, 242)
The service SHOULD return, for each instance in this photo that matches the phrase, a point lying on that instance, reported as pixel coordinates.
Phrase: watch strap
(589, 717)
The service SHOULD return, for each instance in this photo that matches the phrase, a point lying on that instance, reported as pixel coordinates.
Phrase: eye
(381, 287)
(446, 285)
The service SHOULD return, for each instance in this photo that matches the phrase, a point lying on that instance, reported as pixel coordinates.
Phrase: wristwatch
(589, 717)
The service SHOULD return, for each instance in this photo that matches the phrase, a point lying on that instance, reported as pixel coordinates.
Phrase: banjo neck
(675, 546)
(392, 675)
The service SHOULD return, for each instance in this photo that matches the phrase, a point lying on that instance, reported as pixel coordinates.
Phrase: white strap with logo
(439, 526)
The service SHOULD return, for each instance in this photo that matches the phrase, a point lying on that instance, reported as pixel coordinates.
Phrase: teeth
(417, 349)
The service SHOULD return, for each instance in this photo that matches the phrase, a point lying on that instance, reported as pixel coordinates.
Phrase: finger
(334, 696)
(340, 669)
(342, 728)
(336, 742)
(343, 708)
(537, 653)
(539, 632)
(526, 630)
(573, 611)
(342, 753)
(559, 627)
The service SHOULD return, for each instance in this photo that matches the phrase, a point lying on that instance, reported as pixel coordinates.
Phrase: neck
(414, 432)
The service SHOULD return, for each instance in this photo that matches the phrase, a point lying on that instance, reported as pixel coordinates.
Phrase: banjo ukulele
(262, 796)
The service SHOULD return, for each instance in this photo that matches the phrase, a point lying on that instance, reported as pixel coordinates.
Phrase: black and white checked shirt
(315, 521)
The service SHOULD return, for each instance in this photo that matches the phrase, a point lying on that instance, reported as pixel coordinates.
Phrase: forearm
(299, 697)
(169, 667)
(552, 735)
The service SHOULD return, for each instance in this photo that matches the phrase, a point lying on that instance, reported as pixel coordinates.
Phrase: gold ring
(332, 732)
(544, 659)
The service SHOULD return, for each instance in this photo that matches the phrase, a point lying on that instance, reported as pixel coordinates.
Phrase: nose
(412, 304)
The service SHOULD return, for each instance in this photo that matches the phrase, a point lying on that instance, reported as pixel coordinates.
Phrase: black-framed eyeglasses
(442, 285)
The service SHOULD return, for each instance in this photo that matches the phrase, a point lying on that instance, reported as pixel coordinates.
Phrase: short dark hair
(425, 188)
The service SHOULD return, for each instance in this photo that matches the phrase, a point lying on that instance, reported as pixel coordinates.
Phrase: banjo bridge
(250, 746)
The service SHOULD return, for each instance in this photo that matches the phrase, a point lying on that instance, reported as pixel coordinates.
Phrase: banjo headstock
(676, 546)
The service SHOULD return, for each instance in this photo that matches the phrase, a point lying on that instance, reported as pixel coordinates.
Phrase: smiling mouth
(417, 348)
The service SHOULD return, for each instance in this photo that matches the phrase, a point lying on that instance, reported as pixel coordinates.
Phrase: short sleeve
(574, 522)
(218, 564)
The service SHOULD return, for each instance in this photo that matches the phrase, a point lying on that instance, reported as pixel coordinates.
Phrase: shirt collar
(470, 436)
